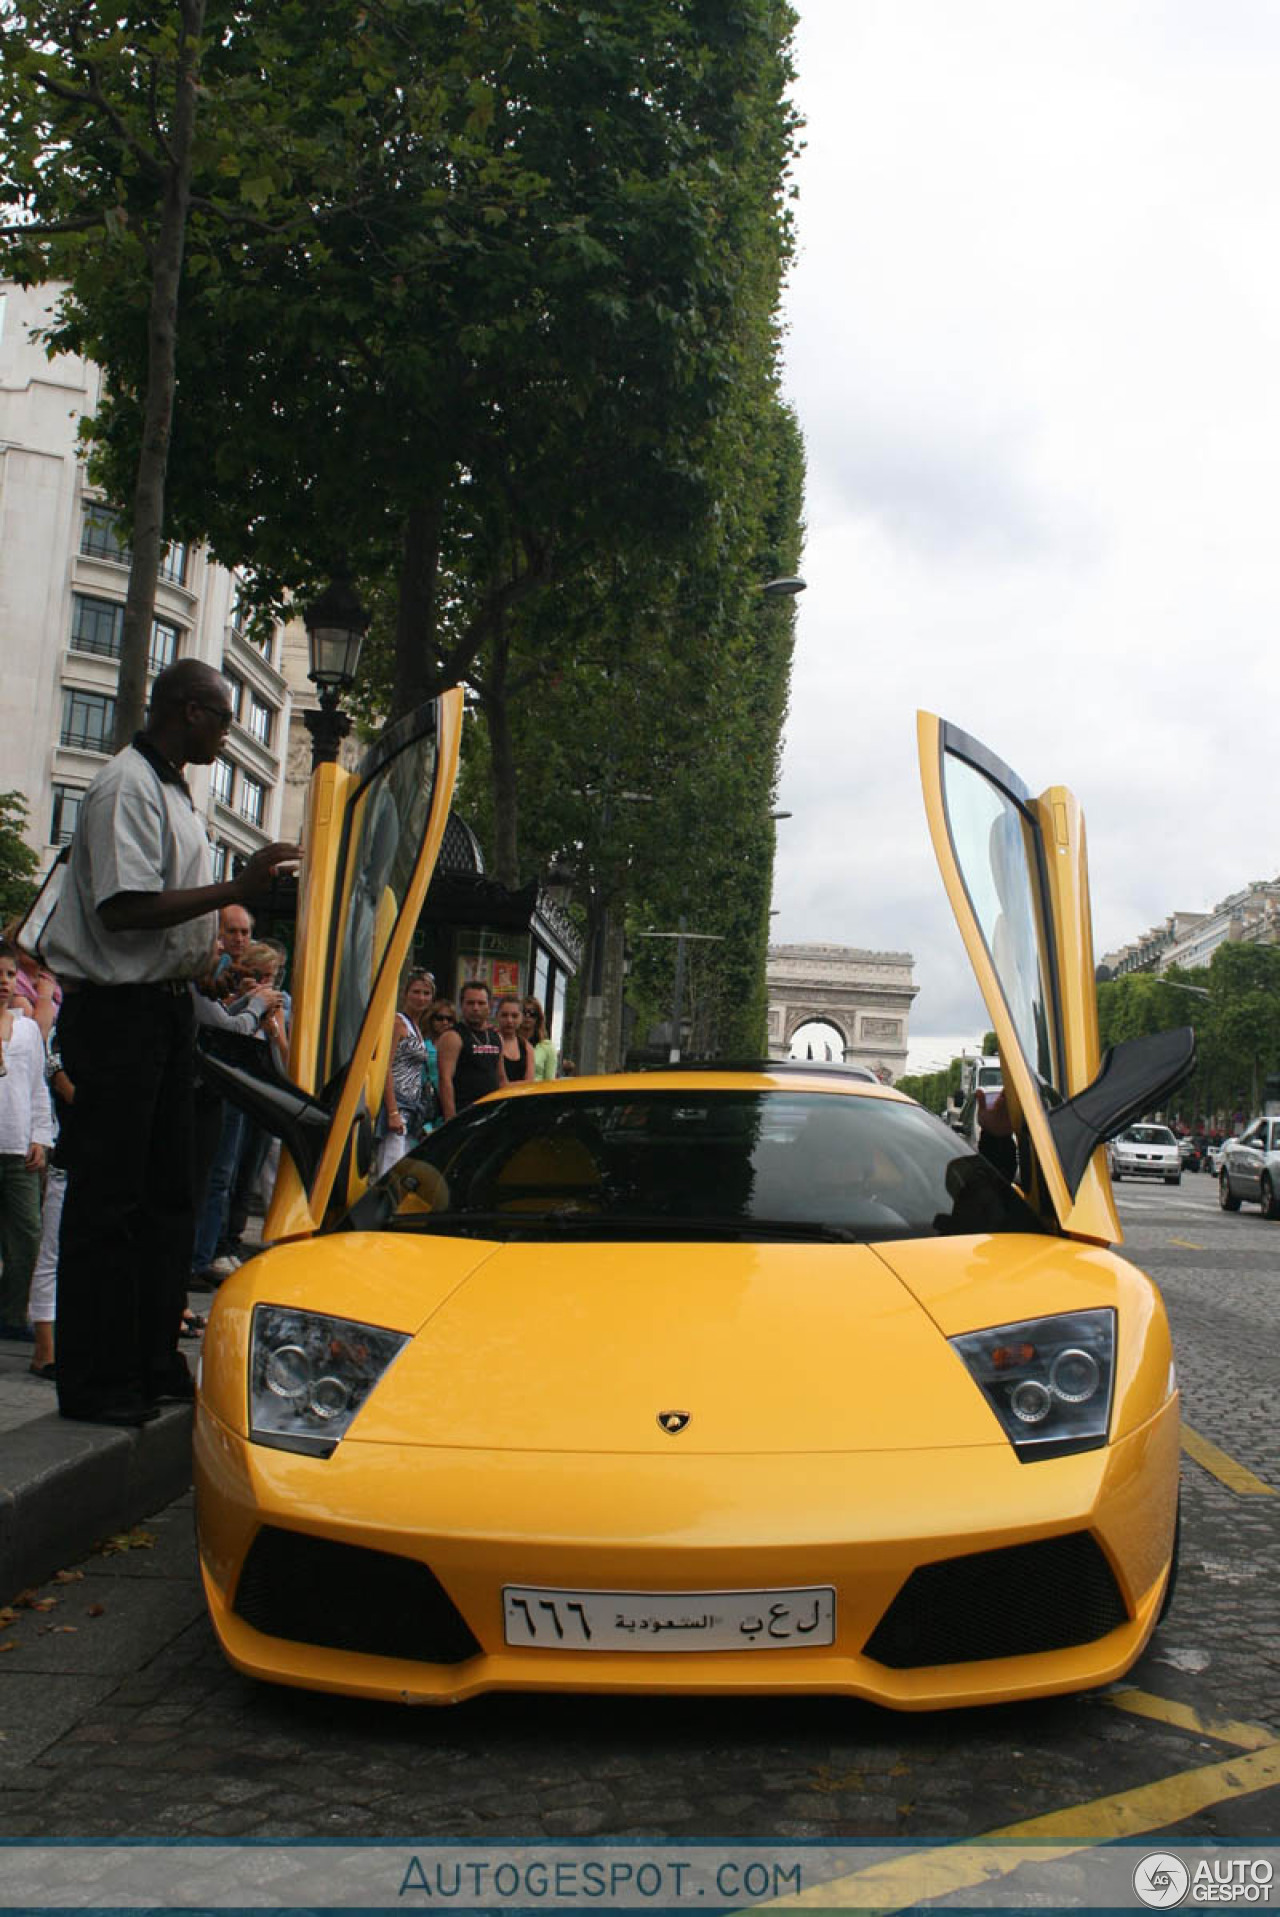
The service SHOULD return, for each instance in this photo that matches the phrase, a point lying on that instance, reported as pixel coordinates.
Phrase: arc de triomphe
(865, 995)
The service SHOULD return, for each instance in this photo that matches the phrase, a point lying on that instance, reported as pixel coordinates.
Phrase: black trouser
(124, 1255)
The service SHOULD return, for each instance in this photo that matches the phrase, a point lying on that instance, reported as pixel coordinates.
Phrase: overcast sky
(1034, 343)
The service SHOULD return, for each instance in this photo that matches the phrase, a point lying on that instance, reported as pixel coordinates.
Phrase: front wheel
(1266, 1192)
(1115, 1177)
(1174, 1178)
(1226, 1197)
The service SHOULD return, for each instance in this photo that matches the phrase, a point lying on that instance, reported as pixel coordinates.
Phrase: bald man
(136, 922)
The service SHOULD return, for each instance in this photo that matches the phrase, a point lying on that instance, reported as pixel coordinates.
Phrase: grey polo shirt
(137, 832)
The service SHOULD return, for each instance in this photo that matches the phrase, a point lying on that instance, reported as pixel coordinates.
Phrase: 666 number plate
(548, 1620)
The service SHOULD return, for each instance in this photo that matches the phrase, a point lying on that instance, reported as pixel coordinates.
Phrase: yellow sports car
(701, 1380)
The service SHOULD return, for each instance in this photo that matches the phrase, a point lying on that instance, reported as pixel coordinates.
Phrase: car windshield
(743, 1164)
(1149, 1135)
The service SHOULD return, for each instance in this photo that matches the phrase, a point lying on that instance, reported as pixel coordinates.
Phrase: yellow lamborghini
(747, 1381)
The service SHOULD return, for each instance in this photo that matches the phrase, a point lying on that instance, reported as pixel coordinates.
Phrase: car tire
(1115, 1177)
(1175, 1180)
(1166, 1601)
(1226, 1197)
(1267, 1194)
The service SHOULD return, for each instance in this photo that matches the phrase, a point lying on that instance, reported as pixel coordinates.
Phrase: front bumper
(480, 1520)
(1145, 1168)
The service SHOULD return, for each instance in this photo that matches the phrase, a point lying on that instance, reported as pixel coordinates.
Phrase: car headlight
(1048, 1380)
(310, 1374)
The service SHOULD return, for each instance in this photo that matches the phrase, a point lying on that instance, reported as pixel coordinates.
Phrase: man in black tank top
(470, 1055)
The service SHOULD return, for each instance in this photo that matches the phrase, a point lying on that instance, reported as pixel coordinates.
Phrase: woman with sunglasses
(533, 1026)
(409, 1101)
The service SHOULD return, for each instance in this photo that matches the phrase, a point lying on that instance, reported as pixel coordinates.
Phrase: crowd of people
(126, 1181)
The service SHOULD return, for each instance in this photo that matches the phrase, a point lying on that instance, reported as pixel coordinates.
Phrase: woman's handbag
(34, 923)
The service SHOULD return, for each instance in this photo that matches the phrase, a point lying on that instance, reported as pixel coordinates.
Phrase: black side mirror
(1135, 1075)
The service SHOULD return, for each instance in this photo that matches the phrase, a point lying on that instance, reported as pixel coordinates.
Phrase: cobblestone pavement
(120, 1718)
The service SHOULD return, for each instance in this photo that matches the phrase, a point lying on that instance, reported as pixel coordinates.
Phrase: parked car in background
(1249, 1169)
(1145, 1151)
(1213, 1160)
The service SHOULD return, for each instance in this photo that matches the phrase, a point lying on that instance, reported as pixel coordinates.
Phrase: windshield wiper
(618, 1224)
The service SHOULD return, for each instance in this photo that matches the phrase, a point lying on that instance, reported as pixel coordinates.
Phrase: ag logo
(1161, 1880)
(674, 1422)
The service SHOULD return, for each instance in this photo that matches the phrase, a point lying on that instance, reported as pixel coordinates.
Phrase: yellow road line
(909, 1879)
(1237, 1477)
(1186, 1244)
(1246, 1737)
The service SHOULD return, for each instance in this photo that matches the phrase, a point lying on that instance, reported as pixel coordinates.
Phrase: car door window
(997, 849)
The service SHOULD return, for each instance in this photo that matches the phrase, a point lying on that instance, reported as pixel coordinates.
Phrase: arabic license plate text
(668, 1620)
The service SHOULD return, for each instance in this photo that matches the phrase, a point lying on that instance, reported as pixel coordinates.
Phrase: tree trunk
(497, 717)
(416, 677)
(162, 354)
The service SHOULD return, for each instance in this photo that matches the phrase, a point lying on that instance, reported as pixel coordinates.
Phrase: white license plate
(668, 1620)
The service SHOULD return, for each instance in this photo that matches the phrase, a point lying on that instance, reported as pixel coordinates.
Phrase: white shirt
(136, 832)
(26, 1116)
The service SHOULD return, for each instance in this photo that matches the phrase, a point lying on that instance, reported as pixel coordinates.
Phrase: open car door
(1016, 874)
(371, 840)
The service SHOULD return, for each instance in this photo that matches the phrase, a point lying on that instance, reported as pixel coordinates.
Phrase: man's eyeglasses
(222, 713)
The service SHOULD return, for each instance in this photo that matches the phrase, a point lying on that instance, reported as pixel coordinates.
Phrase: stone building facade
(865, 995)
(63, 578)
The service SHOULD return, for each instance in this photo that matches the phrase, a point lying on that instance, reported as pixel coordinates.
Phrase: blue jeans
(222, 1177)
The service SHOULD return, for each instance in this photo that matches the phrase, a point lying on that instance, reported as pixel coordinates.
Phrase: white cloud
(1033, 343)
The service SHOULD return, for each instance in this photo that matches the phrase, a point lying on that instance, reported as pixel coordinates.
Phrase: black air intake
(344, 1598)
(1010, 1603)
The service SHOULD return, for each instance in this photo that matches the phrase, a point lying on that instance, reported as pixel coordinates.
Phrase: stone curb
(63, 1486)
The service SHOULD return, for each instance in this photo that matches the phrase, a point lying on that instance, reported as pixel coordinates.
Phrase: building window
(173, 565)
(96, 625)
(222, 781)
(218, 860)
(101, 538)
(164, 645)
(252, 627)
(236, 688)
(100, 533)
(261, 717)
(66, 810)
(87, 720)
(253, 799)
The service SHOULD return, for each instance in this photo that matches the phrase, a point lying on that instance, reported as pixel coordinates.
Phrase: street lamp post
(336, 624)
(681, 937)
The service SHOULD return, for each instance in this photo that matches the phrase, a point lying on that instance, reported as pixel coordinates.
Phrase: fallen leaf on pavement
(68, 1577)
(43, 1604)
(96, 1610)
(7, 1616)
(135, 1540)
(11, 1645)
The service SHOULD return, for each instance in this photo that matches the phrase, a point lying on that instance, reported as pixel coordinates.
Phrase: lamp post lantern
(336, 624)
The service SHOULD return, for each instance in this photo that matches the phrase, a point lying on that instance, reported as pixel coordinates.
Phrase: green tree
(18, 863)
(508, 352)
(98, 109)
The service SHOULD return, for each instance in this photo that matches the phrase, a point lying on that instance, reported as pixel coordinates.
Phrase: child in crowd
(26, 1129)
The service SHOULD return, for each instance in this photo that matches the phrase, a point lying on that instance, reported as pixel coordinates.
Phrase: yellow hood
(768, 1348)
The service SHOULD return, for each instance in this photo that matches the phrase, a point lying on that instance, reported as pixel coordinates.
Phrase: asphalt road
(119, 1717)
